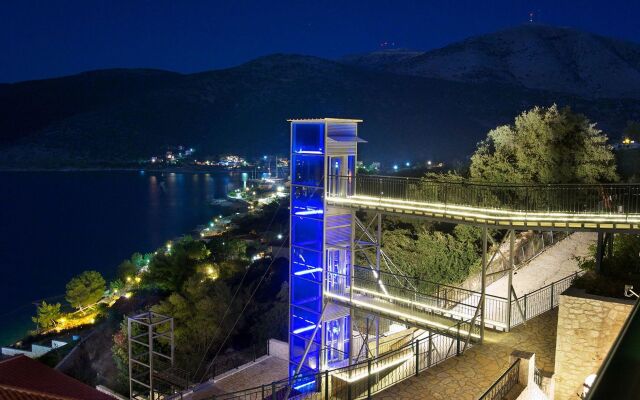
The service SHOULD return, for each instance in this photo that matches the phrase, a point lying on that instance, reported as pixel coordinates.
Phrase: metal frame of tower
(151, 354)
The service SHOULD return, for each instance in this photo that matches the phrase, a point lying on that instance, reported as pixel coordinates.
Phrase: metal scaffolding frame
(151, 356)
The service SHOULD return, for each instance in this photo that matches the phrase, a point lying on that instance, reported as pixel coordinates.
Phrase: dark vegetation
(621, 268)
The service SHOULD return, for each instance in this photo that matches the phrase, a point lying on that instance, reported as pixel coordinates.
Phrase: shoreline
(19, 328)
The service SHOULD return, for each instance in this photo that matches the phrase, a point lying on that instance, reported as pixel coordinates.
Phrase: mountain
(532, 56)
(113, 116)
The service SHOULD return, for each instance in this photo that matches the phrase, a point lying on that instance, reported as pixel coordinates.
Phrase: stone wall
(587, 327)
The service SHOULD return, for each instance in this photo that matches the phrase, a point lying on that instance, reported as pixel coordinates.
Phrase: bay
(54, 225)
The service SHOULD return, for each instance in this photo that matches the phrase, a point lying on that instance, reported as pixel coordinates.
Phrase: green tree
(116, 286)
(197, 311)
(227, 248)
(169, 270)
(126, 271)
(545, 145)
(47, 315)
(432, 256)
(85, 289)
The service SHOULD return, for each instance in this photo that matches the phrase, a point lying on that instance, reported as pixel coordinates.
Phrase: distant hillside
(533, 56)
(113, 116)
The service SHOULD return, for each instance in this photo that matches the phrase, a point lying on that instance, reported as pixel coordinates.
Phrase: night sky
(40, 39)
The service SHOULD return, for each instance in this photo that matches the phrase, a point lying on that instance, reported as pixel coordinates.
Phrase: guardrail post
(458, 338)
(368, 379)
(380, 188)
(326, 384)
(430, 349)
(406, 189)
(525, 306)
(552, 290)
(417, 357)
(262, 391)
(349, 395)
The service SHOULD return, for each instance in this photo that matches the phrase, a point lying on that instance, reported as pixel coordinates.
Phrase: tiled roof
(24, 378)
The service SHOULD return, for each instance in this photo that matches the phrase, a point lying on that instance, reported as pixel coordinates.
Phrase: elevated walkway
(611, 207)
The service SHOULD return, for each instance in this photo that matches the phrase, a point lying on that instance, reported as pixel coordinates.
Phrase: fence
(370, 376)
(542, 300)
(427, 296)
(360, 380)
(436, 298)
(562, 198)
(537, 377)
(504, 384)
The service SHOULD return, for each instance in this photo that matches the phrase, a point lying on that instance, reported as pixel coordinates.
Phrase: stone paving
(470, 375)
(264, 372)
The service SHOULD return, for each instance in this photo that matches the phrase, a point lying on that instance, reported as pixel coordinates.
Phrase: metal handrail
(471, 182)
(620, 199)
(504, 384)
(414, 352)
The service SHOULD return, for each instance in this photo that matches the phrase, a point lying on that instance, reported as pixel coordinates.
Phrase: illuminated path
(564, 207)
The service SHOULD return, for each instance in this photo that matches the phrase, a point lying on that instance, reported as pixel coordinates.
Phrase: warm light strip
(388, 296)
(395, 312)
(373, 371)
(437, 309)
(468, 208)
(511, 215)
(308, 271)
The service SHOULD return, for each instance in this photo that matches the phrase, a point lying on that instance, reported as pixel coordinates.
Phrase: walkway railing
(360, 380)
(459, 303)
(542, 300)
(621, 199)
(504, 384)
(368, 377)
(436, 297)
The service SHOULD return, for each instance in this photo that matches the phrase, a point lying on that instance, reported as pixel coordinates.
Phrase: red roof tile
(24, 378)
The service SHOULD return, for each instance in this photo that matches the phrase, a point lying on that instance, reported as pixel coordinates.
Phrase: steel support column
(599, 252)
(378, 250)
(484, 281)
(512, 242)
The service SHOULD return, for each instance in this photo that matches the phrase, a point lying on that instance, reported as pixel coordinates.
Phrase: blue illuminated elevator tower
(321, 239)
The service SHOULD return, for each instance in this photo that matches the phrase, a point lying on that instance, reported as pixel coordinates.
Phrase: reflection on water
(57, 224)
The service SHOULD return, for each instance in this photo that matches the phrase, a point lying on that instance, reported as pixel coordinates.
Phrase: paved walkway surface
(268, 370)
(470, 375)
(553, 264)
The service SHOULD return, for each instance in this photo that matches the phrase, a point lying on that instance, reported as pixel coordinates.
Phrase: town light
(395, 167)
(279, 236)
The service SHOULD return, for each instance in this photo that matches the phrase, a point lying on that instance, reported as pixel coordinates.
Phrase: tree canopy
(169, 270)
(197, 310)
(545, 145)
(85, 289)
(47, 315)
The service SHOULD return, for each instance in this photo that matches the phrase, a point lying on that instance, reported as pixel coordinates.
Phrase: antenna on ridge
(531, 17)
